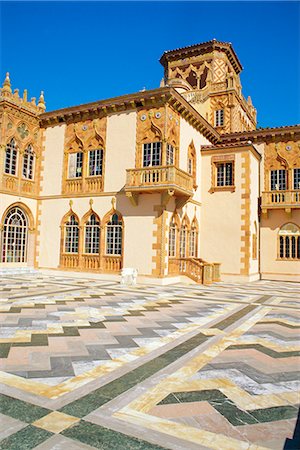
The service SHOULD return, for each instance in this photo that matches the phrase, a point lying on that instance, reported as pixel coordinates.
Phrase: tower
(207, 76)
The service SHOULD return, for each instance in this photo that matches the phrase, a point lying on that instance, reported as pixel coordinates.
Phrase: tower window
(219, 118)
(225, 174)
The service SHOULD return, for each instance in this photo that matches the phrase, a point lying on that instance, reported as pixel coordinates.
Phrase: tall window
(71, 235)
(193, 247)
(225, 174)
(170, 155)
(95, 162)
(183, 239)
(172, 238)
(278, 180)
(75, 165)
(219, 118)
(114, 230)
(296, 177)
(14, 237)
(92, 235)
(28, 163)
(152, 154)
(11, 155)
(289, 242)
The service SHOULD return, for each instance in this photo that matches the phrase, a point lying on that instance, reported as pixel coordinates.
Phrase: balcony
(287, 200)
(168, 180)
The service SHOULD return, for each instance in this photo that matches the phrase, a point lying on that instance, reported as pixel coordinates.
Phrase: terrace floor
(87, 363)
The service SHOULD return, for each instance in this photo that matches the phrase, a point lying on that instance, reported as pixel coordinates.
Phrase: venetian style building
(175, 182)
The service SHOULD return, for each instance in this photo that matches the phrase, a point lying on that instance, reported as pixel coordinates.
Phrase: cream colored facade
(176, 182)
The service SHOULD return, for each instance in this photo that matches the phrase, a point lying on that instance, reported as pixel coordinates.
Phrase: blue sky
(79, 52)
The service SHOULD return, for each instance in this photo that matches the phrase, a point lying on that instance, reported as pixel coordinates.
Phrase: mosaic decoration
(92, 364)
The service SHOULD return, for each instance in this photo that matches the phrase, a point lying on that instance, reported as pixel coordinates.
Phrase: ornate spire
(6, 85)
(41, 103)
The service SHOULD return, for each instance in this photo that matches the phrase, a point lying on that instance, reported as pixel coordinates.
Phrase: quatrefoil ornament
(23, 130)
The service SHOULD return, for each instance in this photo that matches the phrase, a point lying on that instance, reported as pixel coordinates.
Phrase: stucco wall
(254, 194)
(220, 224)
(120, 149)
(187, 134)
(53, 160)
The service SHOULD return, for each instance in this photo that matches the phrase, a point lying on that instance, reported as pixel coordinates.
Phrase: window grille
(15, 237)
(114, 230)
(95, 162)
(71, 235)
(92, 235)
(28, 163)
(75, 165)
(225, 174)
(219, 118)
(278, 180)
(152, 154)
(10, 166)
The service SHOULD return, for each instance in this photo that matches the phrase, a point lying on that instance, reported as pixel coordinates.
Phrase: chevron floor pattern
(87, 363)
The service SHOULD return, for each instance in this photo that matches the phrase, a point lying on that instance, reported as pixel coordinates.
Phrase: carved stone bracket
(165, 196)
(133, 197)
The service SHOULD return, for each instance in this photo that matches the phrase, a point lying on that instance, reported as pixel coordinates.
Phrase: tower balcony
(287, 200)
(167, 180)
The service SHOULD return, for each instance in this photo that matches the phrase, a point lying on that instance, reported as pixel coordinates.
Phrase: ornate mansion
(175, 182)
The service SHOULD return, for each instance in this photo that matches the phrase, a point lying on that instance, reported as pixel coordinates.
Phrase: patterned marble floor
(91, 364)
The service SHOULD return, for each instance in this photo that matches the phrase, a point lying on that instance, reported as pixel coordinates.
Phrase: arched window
(14, 237)
(11, 156)
(92, 235)
(114, 230)
(289, 242)
(184, 238)
(193, 249)
(71, 235)
(28, 163)
(192, 163)
(172, 238)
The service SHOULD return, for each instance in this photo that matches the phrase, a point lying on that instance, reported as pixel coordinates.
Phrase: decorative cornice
(199, 49)
(262, 135)
(156, 97)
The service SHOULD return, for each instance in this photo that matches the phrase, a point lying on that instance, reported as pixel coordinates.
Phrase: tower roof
(200, 49)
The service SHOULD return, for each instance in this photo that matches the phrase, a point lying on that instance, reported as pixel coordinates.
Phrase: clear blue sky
(79, 52)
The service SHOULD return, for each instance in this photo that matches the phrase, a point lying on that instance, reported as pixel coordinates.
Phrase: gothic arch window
(11, 157)
(173, 236)
(193, 241)
(289, 242)
(28, 163)
(92, 235)
(114, 235)
(71, 234)
(184, 237)
(15, 236)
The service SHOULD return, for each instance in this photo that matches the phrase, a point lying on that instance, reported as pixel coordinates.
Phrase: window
(28, 163)
(10, 166)
(219, 118)
(95, 162)
(296, 176)
(278, 180)
(114, 230)
(190, 166)
(92, 235)
(152, 154)
(170, 155)
(75, 165)
(71, 235)
(14, 240)
(172, 239)
(289, 242)
(183, 238)
(193, 243)
(225, 174)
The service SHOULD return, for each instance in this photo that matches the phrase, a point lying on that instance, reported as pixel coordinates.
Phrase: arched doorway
(14, 243)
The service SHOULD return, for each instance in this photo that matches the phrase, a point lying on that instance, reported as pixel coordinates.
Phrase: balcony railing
(196, 269)
(280, 199)
(159, 178)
